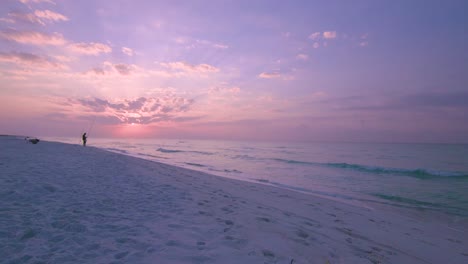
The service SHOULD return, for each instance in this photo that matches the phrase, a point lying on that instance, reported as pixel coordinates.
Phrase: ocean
(425, 177)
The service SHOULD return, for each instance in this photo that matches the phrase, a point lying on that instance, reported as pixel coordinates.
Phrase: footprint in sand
(237, 243)
(454, 240)
(227, 210)
(267, 253)
(201, 245)
(176, 226)
(172, 243)
(302, 234)
(314, 224)
(94, 246)
(204, 213)
(30, 233)
(264, 219)
(121, 255)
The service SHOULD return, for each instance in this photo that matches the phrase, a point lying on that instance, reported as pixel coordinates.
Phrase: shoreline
(434, 186)
(87, 205)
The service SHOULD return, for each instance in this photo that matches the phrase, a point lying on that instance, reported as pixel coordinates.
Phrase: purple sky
(385, 71)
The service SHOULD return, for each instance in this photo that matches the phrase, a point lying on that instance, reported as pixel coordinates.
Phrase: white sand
(69, 204)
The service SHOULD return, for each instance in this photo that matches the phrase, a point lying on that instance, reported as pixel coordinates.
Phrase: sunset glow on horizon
(372, 71)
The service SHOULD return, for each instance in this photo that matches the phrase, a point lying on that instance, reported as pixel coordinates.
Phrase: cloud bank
(269, 75)
(37, 1)
(190, 68)
(142, 110)
(92, 48)
(30, 60)
(33, 37)
(127, 51)
(41, 17)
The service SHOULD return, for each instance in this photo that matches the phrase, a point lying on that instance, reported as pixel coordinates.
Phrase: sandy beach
(62, 203)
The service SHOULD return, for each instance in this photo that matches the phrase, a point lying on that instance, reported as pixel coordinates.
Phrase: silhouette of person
(84, 137)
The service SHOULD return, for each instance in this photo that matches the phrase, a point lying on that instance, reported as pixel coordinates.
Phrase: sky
(358, 71)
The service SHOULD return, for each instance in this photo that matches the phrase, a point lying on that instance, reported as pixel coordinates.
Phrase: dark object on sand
(32, 140)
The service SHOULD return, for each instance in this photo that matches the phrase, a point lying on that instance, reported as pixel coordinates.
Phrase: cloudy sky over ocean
(267, 70)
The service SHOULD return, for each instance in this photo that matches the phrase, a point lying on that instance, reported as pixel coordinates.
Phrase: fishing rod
(91, 126)
(81, 133)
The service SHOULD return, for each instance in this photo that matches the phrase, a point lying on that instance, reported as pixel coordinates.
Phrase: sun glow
(132, 130)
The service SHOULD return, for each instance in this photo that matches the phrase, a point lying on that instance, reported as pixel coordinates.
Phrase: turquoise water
(432, 177)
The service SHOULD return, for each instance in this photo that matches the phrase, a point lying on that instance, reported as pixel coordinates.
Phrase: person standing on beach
(84, 137)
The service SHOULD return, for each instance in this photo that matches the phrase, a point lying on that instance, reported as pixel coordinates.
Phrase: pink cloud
(364, 41)
(50, 15)
(37, 1)
(181, 40)
(364, 44)
(276, 75)
(212, 44)
(323, 35)
(33, 37)
(187, 67)
(220, 46)
(90, 48)
(123, 69)
(315, 35)
(127, 51)
(114, 70)
(7, 20)
(269, 75)
(97, 71)
(316, 45)
(193, 43)
(63, 58)
(223, 89)
(23, 17)
(329, 34)
(30, 60)
(302, 56)
(38, 17)
(166, 106)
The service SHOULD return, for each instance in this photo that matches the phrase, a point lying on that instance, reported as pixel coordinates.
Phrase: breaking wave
(226, 170)
(168, 150)
(151, 156)
(195, 164)
(418, 173)
(163, 150)
(118, 150)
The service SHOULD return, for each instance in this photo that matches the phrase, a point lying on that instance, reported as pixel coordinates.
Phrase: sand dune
(63, 203)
